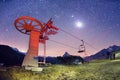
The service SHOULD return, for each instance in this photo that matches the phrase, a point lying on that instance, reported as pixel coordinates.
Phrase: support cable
(63, 44)
(77, 38)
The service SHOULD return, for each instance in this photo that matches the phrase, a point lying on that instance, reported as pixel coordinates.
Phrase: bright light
(23, 51)
(79, 24)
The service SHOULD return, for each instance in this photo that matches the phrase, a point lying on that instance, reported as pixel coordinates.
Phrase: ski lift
(81, 47)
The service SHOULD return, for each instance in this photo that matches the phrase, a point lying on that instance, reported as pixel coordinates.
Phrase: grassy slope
(96, 70)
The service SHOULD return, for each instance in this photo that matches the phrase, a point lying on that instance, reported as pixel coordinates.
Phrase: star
(72, 16)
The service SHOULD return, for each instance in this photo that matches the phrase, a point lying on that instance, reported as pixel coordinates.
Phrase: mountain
(10, 56)
(105, 53)
(65, 59)
(49, 59)
(66, 54)
(15, 49)
(70, 59)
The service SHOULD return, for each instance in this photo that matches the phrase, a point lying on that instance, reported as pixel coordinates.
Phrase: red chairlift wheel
(26, 24)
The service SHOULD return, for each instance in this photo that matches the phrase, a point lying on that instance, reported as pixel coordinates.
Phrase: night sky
(100, 24)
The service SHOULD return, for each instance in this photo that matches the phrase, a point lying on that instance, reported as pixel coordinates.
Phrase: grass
(95, 70)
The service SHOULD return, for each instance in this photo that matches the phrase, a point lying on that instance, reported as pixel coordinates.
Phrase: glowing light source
(79, 24)
(23, 50)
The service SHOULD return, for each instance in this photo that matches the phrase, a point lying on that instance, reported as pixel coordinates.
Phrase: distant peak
(66, 54)
(15, 49)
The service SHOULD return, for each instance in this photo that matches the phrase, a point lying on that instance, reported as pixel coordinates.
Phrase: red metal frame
(26, 24)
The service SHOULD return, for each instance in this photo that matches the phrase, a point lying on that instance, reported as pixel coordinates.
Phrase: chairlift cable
(63, 44)
(77, 38)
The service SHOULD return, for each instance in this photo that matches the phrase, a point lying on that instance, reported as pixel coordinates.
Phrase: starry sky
(100, 19)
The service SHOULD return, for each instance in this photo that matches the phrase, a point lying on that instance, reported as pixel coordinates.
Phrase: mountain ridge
(12, 56)
(103, 54)
(9, 56)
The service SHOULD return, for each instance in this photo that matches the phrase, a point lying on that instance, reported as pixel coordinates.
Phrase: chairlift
(81, 47)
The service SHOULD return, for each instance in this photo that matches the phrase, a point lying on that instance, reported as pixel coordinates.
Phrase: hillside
(103, 54)
(96, 70)
(10, 56)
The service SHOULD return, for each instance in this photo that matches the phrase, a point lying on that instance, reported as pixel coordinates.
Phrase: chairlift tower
(38, 34)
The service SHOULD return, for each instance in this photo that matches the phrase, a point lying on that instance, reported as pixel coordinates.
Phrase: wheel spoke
(30, 23)
(36, 29)
(22, 29)
(21, 23)
(26, 31)
(20, 26)
(36, 25)
(25, 21)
